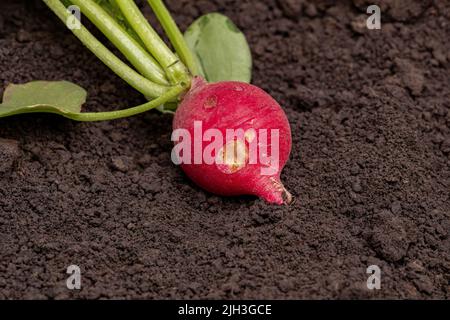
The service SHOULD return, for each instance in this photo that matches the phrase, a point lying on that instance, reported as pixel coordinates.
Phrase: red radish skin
(235, 105)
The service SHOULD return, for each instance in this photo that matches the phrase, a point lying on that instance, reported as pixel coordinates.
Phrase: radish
(235, 105)
(242, 137)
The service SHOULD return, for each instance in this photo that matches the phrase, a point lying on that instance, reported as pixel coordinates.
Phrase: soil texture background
(369, 169)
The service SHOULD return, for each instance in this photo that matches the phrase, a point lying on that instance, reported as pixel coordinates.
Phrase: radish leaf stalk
(176, 71)
(113, 10)
(130, 48)
(175, 36)
(170, 95)
(147, 87)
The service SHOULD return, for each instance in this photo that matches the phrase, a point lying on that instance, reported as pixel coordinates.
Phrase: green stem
(175, 35)
(130, 48)
(175, 70)
(111, 115)
(141, 84)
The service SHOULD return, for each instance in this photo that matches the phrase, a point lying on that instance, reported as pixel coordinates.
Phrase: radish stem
(175, 35)
(111, 115)
(137, 55)
(134, 79)
(175, 70)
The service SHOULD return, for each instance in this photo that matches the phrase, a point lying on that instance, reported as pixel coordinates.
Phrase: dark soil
(370, 166)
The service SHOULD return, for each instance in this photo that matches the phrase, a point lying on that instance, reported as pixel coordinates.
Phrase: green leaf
(60, 97)
(221, 49)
